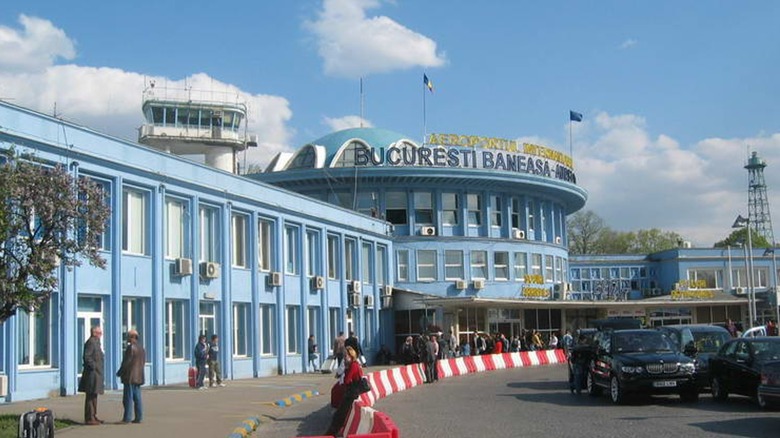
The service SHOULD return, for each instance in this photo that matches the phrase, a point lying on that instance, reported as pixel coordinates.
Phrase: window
(347, 156)
(134, 222)
(135, 317)
(366, 203)
(402, 265)
(304, 159)
(542, 218)
(292, 261)
(34, 336)
(423, 208)
(369, 339)
(501, 265)
(474, 206)
(313, 321)
(496, 211)
(426, 265)
(103, 240)
(265, 245)
(349, 259)
(366, 263)
(548, 268)
(705, 278)
(207, 319)
(240, 330)
(174, 329)
(453, 265)
(449, 209)
(559, 269)
(174, 232)
(479, 264)
(333, 257)
(531, 214)
(521, 266)
(334, 320)
(312, 253)
(293, 330)
(517, 208)
(536, 264)
(381, 265)
(209, 234)
(239, 240)
(267, 331)
(395, 208)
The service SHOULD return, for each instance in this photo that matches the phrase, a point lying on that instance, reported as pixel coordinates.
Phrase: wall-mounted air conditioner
(479, 284)
(740, 290)
(318, 282)
(387, 290)
(355, 286)
(461, 284)
(3, 385)
(558, 240)
(562, 287)
(182, 267)
(209, 270)
(275, 279)
(369, 300)
(353, 299)
(428, 231)
(518, 234)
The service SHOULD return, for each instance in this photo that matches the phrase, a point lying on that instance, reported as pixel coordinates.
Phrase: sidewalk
(179, 410)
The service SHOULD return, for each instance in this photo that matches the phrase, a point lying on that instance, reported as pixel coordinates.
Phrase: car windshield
(766, 350)
(635, 342)
(709, 342)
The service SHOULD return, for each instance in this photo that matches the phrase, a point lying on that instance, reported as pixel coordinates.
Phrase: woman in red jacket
(353, 372)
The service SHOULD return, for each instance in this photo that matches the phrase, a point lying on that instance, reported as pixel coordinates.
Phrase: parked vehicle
(737, 367)
(615, 324)
(769, 389)
(640, 361)
(699, 342)
(757, 331)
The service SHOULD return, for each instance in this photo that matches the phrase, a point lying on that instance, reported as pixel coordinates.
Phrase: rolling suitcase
(329, 365)
(192, 376)
(38, 423)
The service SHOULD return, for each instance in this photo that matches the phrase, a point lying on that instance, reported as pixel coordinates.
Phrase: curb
(295, 398)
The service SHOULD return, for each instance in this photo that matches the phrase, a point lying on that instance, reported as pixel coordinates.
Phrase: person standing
(213, 362)
(201, 358)
(431, 352)
(92, 381)
(313, 353)
(338, 348)
(132, 375)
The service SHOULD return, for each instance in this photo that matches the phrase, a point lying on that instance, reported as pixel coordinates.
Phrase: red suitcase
(192, 376)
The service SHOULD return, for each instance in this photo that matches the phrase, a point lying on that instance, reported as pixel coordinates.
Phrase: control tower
(195, 123)
(758, 203)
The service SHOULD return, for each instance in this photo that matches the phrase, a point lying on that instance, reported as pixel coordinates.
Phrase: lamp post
(741, 222)
(774, 282)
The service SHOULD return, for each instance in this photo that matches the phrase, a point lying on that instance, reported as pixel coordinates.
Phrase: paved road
(535, 402)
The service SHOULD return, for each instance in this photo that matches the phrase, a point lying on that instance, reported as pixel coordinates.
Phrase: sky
(674, 95)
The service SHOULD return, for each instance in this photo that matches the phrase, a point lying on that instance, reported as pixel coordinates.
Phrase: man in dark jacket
(132, 375)
(92, 380)
(201, 357)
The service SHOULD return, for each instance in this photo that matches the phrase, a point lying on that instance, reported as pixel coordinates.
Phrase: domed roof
(374, 137)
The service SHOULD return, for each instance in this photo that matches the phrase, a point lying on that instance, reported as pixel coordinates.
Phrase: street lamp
(741, 222)
(775, 289)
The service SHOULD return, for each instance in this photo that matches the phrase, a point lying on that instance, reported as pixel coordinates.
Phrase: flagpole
(425, 122)
(571, 149)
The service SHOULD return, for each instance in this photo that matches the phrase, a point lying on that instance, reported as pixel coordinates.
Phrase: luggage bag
(38, 423)
(192, 376)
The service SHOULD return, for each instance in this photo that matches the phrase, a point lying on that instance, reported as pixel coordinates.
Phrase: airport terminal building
(362, 230)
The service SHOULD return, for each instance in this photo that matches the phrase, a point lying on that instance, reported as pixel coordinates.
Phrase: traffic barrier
(384, 424)
(360, 419)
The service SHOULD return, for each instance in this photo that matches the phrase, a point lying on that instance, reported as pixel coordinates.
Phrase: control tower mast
(758, 203)
(190, 122)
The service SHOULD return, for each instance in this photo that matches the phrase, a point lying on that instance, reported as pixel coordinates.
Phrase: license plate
(665, 384)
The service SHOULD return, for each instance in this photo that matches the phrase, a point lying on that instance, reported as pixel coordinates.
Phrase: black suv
(699, 342)
(646, 361)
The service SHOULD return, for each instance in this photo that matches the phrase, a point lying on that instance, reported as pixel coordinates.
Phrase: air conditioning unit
(428, 231)
(655, 291)
(558, 240)
(353, 299)
(518, 234)
(369, 300)
(318, 282)
(3, 385)
(461, 284)
(209, 270)
(355, 286)
(387, 290)
(479, 284)
(182, 267)
(740, 290)
(275, 279)
(562, 287)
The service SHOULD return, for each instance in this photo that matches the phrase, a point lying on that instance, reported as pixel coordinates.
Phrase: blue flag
(427, 82)
(575, 116)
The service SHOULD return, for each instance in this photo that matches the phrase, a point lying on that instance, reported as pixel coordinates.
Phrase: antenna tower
(758, 203)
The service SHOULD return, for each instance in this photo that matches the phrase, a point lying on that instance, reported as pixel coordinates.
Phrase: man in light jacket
(132, 375)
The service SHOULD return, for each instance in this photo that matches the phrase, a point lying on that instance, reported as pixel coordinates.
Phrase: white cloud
(629, 43)
(346, 122)
(352, 44)
(38, 45)
(639, 181)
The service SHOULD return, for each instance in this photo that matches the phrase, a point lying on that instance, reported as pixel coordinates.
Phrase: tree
(654, 240)
(48, 219)
(584, 228)
(739, 237)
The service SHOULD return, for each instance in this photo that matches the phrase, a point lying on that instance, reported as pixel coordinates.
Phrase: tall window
(402, 265)
(267, 330)
(103, 240)
(369, 339)
(313, 324)
(426, 265)
(34, 336)
(536, 264)
(367, 203)
(479, 264)
(293, 330)
(312, 253)
(496, 211)
(239, 240)
(209, 234)
(559, 269)
(349, 259)
(241, 330)
(381, 265)
(453, 265)
(395, 207)
(135, 317)
(174, 329)
(174, 233)
(134, 221)
(334, 324)
(423, 208)
(366, 263)
(449, 208)
(333, 257)
(548, 268)
(265, 245)
(474, 206)
(521, 266)
(292, 260)
(531, 215)
(207, 319)
(501, 265)
(542, 218)
(517, 208)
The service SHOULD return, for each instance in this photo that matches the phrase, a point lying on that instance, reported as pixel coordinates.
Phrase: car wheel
(615, 392)
(719, 391)
(593, 388)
